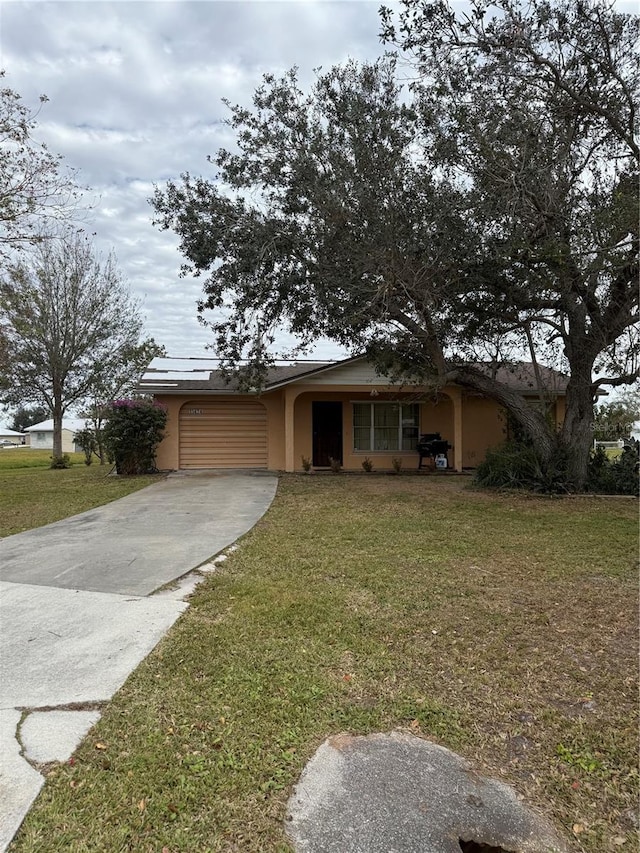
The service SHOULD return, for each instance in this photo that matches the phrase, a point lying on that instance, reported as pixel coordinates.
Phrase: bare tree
(36, 191)
(117, 379)
(68, 321)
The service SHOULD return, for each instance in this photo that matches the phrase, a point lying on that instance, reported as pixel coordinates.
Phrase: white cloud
(135, 98)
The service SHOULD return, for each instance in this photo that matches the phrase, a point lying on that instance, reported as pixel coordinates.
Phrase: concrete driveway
(77, 613)
(136, 544)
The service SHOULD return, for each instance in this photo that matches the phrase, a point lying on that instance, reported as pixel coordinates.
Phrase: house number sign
(195, 411)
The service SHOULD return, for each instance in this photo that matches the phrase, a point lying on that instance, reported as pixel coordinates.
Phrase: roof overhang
(168, 376)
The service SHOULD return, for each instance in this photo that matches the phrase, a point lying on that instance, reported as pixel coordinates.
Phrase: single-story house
(41, 435)
(321, 410)
(10, 435)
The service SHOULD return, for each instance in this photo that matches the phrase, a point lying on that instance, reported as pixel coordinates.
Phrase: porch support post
(290, 395)
(456, 397)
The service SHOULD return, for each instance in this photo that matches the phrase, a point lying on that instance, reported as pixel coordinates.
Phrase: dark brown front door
(327, 433)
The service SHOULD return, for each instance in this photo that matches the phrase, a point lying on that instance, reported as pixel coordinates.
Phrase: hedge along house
(322, 410)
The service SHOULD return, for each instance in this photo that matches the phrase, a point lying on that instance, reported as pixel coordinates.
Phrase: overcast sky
(135, 98)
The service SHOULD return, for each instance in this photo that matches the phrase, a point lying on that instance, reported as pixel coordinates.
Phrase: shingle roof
(522, 377)
(10, 432)
(178, 375)
(198, 374)
(73, 424)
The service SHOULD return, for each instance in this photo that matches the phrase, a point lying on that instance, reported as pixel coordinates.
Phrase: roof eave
(313, 372)
(177, 391)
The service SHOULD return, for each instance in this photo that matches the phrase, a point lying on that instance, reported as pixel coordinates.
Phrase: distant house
(326, 411)
(9, 435)
(41, 435)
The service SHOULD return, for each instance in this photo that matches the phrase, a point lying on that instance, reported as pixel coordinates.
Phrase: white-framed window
(385, 426)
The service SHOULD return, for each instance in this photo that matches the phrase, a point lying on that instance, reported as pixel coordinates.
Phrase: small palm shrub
(367, 465)
(517, 466)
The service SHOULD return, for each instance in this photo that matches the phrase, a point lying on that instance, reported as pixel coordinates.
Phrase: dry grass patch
(503, 627)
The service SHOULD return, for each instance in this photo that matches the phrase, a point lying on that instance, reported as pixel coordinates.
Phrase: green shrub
(517, 466)
(133, 431)
(613, 476)
(367, 465)
(60, 462)
(86, 439)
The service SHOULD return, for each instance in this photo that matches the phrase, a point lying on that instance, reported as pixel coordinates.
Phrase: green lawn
(504, 627)
(31, 494)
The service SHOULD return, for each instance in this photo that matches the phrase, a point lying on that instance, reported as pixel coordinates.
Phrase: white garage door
(223, 434)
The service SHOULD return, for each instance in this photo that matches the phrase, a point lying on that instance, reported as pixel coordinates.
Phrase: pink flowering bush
(133, 431)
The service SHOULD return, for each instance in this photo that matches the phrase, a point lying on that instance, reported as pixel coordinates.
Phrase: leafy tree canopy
(486, 209)
(26, 416)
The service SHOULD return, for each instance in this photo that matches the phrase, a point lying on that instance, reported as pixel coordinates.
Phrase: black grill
(430, 445)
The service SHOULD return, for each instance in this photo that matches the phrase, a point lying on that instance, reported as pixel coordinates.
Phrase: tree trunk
(532, 421)
(102, 453)
(57, 430)
(577, 431)
(97, 430)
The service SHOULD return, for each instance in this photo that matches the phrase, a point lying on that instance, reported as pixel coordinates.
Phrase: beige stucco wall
(168, 454)
(434, 417)
(483, 424)
(43, 440)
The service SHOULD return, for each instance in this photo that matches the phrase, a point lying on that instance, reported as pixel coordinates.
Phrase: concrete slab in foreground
(54, 735)
(75, 619)
(63, 646)
(19, 782)
(396, 793)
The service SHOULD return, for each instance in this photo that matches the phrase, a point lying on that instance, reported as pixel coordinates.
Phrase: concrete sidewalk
(77, 615)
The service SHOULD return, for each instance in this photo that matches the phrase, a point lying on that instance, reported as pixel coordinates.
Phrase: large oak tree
(484, 212)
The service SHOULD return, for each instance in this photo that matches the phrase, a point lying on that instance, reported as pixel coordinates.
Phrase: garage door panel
(223, 434)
